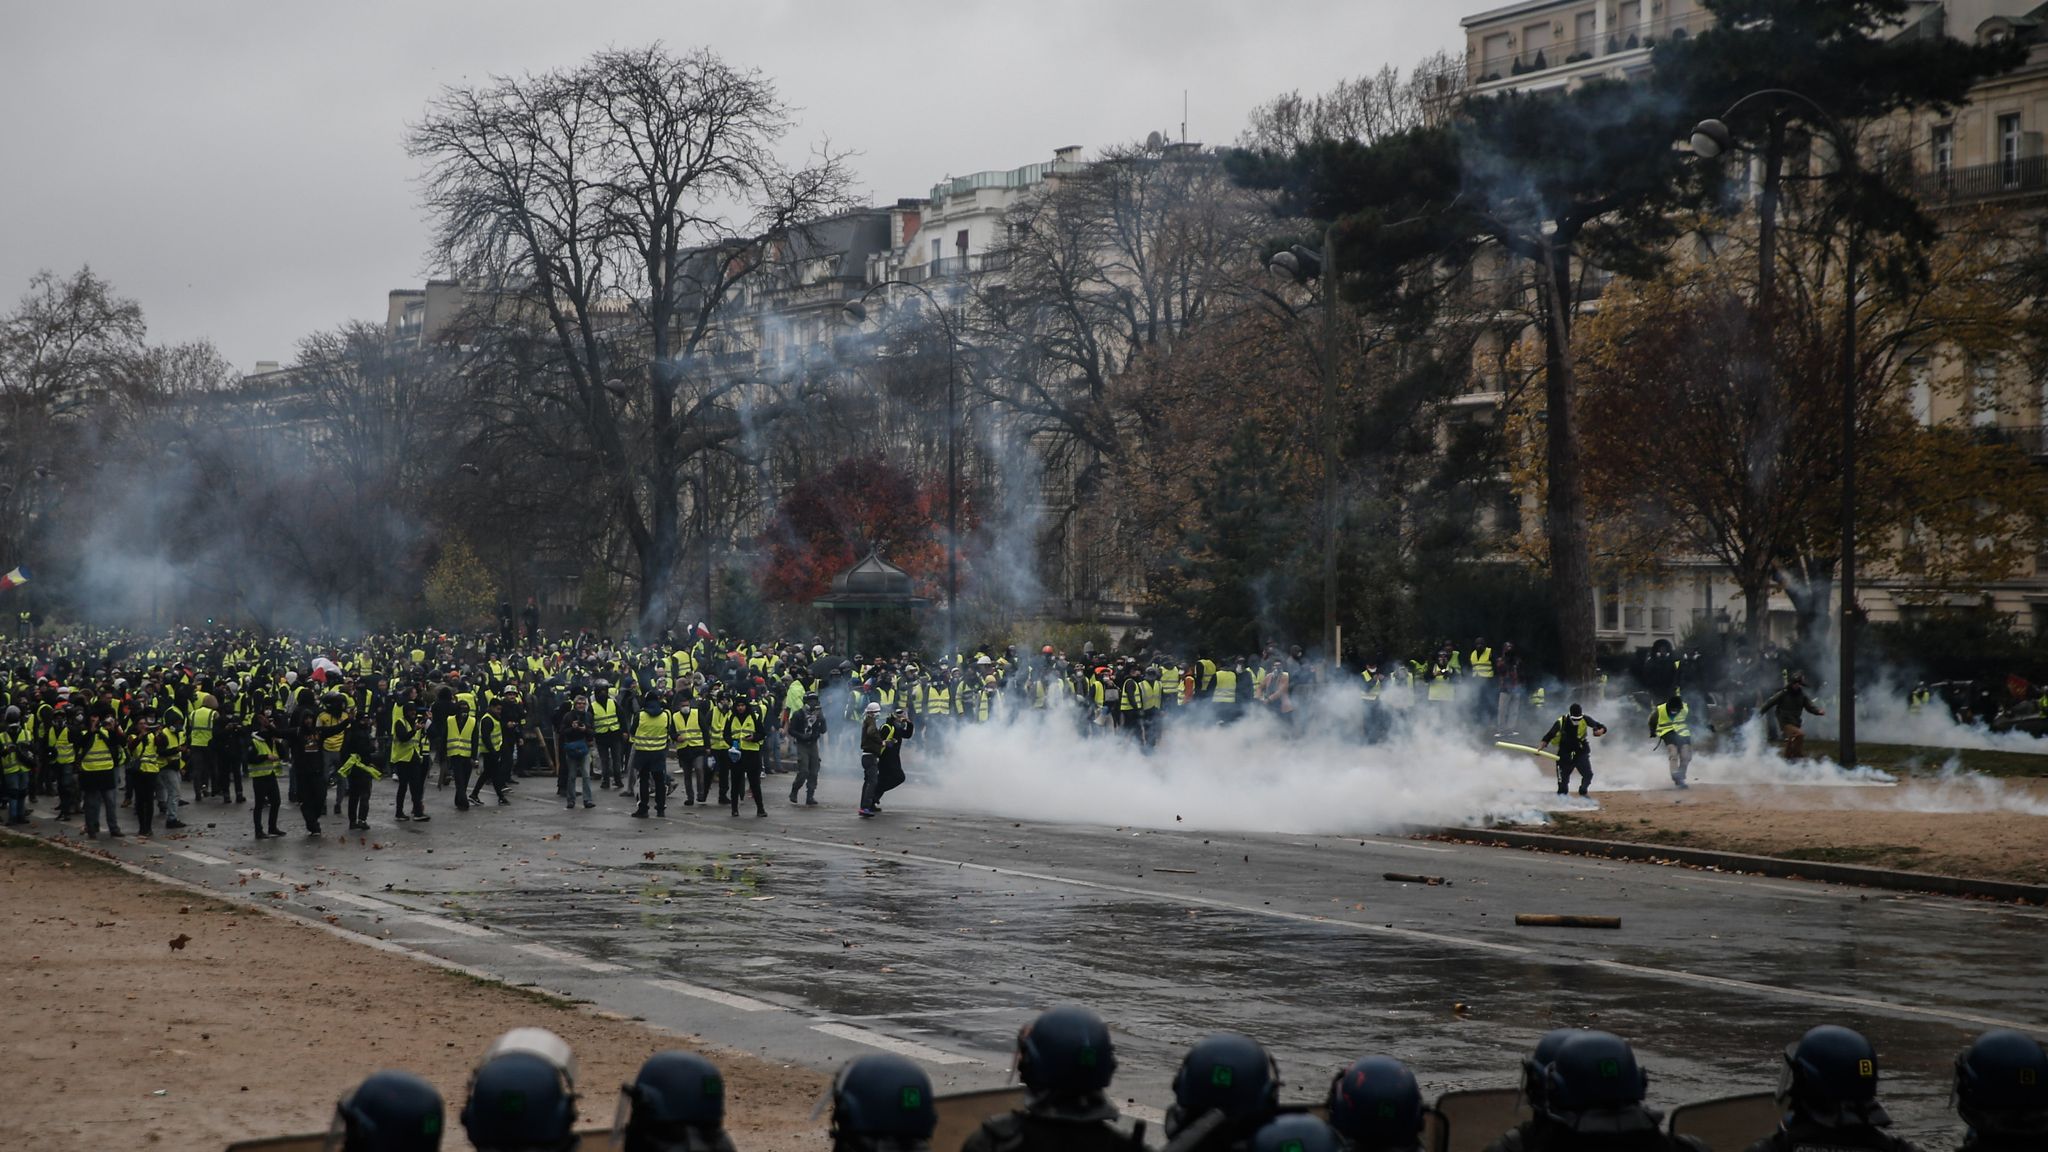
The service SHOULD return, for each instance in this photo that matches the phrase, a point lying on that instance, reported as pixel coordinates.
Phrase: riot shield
(1729, 1124)
(1436, 1135)
(1473, 1118)
(961, 1113)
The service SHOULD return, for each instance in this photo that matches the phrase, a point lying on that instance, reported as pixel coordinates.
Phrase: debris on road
(1416, 878)
(1548, 920)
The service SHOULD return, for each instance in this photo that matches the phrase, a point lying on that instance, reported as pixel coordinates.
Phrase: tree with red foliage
(834, 518)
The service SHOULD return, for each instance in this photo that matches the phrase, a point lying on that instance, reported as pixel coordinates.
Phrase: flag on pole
(14, 579)
(701, 632)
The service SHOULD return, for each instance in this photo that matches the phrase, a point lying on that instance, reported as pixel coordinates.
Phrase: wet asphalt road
(812, 936)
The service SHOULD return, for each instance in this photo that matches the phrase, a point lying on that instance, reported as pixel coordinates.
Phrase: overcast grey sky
(238, 165)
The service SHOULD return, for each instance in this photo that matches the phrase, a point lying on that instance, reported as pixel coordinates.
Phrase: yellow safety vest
(651, 732)
(1226, 687)
(1481, 660)
(267, 762)
(11, 761)
(1669, 724)
(493, 732)
(1371, 691)
(332, 742)
(407, 749)
(743, 730)
(99, 754)
(461, 737)
(152, 762)
(719, 718)
(689, 728)
(202, 726)
(604, 716)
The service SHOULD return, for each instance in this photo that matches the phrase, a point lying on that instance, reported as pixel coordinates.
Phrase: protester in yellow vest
(266, 764)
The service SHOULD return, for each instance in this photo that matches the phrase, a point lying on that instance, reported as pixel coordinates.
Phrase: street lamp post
(1304, 265)
(856, 311)
(1710, 139)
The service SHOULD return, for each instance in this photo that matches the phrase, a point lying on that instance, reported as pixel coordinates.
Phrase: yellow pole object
(1549, 920)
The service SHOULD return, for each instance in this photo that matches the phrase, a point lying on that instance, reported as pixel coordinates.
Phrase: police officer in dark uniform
(1592, 1101)
(1376, 1105)
(1065, 1060)
(676, 1103)
(2001, 1092)
(1829, 1093)
(882, 1103)
(1226, 1089)
(389, 1112)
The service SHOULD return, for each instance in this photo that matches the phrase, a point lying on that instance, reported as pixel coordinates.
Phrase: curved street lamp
(856, 311)
(1710, 140)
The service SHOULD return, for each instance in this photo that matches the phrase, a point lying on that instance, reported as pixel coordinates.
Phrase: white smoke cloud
(1318, 778)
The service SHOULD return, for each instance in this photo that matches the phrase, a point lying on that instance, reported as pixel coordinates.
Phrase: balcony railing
(1583, 48)
(2030, 438)
(954, 266)
(2027, 175)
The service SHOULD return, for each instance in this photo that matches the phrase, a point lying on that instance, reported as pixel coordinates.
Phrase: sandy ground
(1884, 828)
(259, 1022)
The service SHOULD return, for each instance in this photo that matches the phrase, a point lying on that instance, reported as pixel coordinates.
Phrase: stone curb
(1773, 866)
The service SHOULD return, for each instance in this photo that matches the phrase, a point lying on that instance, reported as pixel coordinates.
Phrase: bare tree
(625, 202)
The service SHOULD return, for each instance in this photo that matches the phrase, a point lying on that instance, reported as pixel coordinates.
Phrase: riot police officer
(1538, 1059)
(1065, 1059)
(1227, 1087)
(523, 1095)
(1591, 1100)
(1828, 1091)
(882, 1104)
(1376, 1105)
(2001, 1092)
(389, 1112)
(675, 1104)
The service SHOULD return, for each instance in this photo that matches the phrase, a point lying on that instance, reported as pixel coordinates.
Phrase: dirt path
(258, 1022)
(1902, 827)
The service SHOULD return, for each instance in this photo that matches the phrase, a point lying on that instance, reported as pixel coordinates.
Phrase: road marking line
(886, 1043)
(1671, 974)
(1378, 844)
(740, 1003)
(352, 898)
(940, 1012)
(199, 857)
(563, 956)
(447, 925)
(273, 877)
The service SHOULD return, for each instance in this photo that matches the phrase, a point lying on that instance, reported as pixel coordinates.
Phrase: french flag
(19, 576)
(700, 631)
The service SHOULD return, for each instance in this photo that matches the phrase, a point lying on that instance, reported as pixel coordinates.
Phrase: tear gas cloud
(1315, 777)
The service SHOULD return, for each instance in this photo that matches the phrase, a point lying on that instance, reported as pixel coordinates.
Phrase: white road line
(563, 956)
(197, 857)
(939, 1013)
(1379, 844)
(273, 877)
(447, 925)
(1672, 974)
(909, 1048)
(351, 898)
(740, 1003)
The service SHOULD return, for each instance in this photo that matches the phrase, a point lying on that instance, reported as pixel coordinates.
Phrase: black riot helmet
(1830, 1078)
(675, 1101)
(520, 1100)
(883, 1095)
(1066, 1052)
(2002, 1085)
(1227, 1073)
(1297, 1132)
(1592, 1072)
(1376, 1104)
(1539, 1058)
(388, 1112)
